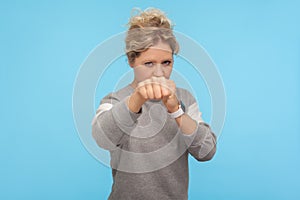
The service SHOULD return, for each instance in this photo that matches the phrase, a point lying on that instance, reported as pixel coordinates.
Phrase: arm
(197, 134)
(112, 122)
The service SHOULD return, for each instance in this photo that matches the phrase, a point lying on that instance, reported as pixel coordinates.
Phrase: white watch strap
(177, 113)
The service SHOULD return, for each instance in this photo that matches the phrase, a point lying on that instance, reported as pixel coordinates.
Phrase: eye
(167, 63)
(148, 64)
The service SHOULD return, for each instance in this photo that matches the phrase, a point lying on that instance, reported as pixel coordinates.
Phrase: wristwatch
(179, 112)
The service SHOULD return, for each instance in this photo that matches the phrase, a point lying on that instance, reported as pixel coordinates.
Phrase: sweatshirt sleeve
(113, 122)
(201, 143)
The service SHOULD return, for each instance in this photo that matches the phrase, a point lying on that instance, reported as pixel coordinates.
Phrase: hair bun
(150, 17)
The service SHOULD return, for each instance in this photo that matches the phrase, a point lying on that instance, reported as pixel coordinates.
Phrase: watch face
(182, 106)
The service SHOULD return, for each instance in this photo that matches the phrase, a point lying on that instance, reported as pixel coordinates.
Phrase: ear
(131, 64)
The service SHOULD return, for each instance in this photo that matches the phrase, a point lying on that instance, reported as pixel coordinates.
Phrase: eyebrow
(153, 59)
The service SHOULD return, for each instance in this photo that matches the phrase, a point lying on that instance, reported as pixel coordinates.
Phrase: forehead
(157, 52)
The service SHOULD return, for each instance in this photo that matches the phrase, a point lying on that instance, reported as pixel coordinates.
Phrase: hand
(159, 88)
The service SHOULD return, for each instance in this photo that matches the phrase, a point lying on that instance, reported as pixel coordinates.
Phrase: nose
(158, 71)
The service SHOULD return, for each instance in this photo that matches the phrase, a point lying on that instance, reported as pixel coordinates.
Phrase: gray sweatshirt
(149, 153)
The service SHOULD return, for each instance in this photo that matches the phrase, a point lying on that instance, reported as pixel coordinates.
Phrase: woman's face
(156, 61)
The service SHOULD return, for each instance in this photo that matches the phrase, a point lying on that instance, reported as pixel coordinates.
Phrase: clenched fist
(154, 88)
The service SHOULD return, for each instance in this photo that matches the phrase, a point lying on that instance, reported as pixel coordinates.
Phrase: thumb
(165, 99)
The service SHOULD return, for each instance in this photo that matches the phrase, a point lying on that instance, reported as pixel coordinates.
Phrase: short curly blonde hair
(146, 29)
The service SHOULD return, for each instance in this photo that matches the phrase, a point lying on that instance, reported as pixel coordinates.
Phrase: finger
(171, 87)
(156, 88)
(163, 85)
(140, 84)
(142, 90)
(149, 89)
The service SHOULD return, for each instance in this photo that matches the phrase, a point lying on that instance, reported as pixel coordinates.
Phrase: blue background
(255, 44)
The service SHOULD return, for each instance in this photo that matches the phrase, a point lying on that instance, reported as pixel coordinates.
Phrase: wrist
(178, 106)
(174, 109)
(135, 103)
(178, 112)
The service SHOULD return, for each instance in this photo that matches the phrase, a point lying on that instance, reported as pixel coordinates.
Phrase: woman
(151, 126)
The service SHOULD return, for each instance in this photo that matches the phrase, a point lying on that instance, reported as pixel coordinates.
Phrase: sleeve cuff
(197, 137)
